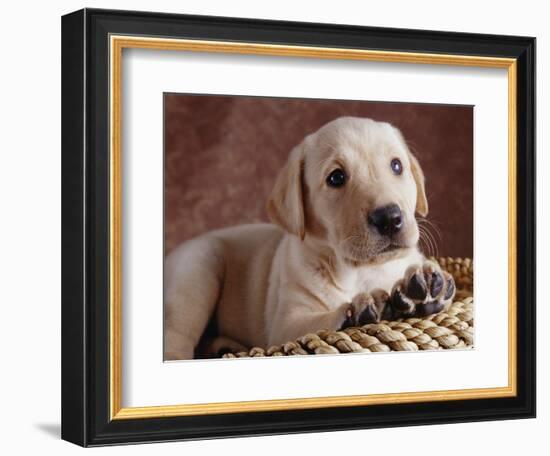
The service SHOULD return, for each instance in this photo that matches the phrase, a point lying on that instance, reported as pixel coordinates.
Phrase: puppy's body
(327, 261)
(265, 286)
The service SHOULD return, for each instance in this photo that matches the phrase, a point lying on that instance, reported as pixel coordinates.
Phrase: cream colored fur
(269, 283)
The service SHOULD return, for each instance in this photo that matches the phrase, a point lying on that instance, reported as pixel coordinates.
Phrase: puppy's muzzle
(387, 220)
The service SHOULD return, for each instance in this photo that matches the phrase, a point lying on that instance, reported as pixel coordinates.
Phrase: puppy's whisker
(428, 240)
(432, 231)
(430, 224)
(425, 245)
(434, 244)
(429, 243)
(433, 241)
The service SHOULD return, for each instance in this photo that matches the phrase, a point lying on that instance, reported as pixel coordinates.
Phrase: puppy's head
(354, 185)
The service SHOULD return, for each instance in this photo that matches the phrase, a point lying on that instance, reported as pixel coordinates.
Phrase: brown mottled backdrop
(223, 153)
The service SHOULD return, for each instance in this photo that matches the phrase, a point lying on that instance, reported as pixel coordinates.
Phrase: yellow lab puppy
(342, 250)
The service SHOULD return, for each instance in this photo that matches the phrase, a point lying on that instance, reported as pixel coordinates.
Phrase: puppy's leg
(424, 290)
(368, 308)
(193, 278)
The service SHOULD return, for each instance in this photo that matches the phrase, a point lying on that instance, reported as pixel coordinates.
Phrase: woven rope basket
(446, 330)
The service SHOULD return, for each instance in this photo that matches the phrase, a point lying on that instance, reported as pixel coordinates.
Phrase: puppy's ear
(285, 206)
(418, 175)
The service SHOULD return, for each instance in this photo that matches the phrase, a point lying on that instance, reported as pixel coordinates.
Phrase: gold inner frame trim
(117, 44)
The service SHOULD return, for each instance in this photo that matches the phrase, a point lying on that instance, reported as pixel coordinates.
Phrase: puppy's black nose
(387, 220)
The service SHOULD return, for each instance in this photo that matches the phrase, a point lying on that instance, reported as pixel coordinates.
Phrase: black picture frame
(85, 228)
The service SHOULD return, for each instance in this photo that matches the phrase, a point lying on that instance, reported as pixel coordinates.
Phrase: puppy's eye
(396, 166)
(336, 178)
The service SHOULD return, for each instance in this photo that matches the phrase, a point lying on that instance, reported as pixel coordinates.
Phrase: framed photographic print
(271, 227)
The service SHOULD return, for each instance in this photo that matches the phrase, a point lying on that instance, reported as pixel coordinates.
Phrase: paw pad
(367, 308)
(424, 291)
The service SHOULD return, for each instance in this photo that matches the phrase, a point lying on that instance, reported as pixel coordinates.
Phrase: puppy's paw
(366, 308)
(423, 291)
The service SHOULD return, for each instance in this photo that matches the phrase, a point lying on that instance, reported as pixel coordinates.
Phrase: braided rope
(451, 329)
